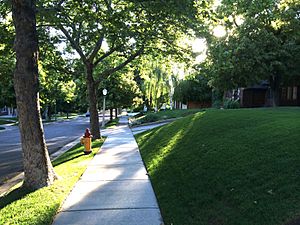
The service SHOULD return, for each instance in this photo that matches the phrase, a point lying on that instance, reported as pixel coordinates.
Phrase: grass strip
(8, 118)
(112, 123)
(2, 122)
(21, 206)
(228, 167)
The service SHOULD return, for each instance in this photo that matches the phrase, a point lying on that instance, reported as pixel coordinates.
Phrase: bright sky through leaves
(200, 46)
(219, 31)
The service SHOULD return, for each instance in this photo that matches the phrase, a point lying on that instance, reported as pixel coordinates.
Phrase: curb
(65, 148)
(8, 125)
(4, 188)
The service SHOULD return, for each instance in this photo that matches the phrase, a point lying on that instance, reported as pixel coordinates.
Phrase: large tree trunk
(274, 89)
(111, 114)
(116, 113)
(37, 165)
(92, 96)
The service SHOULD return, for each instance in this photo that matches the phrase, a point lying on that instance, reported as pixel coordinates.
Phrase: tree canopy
(262, 43)
(7, 59)
(128, 28)
(193, 88)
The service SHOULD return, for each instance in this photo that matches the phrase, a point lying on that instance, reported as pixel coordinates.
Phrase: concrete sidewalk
(115, 188)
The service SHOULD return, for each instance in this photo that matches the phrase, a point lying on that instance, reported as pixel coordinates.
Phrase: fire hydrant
(86, 140)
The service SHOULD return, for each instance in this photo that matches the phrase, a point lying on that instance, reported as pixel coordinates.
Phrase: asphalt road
(57, 134)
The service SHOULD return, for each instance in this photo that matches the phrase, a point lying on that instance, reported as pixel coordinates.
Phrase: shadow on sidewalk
(122, 197)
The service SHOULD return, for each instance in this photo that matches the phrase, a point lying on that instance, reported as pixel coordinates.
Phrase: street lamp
(104, 92)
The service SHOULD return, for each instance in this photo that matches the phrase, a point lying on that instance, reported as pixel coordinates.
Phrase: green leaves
(7, 58)
(155, 80)
(193, 89)
(122, 90)
(265, 43)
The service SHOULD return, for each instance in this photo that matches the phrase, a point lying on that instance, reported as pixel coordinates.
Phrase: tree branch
(45, 25)
(110, 71)
(234, 21)
(96, 49)
(78, 34)
(61, 2)
(111, 51)
(73, 43)
(108, 4)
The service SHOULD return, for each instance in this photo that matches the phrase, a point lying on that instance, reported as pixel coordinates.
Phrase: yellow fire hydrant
(86, 140)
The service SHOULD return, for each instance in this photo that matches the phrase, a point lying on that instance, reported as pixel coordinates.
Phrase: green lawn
(162, 115)
(7, 121)
(9, 118)
(112, 123)
(21, 206)
(227, 167)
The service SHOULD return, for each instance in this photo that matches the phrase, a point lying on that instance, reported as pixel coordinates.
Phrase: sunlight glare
(239, 20)
(201, 58)
(219, 31)
(105, 46)
(217, 3)
(199, 45)
(179, 71)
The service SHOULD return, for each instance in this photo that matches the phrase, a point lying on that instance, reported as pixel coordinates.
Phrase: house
(259, 96)
(191, 105)
(290, 96)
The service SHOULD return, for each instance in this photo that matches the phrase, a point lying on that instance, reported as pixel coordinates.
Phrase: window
(283, 93)
(289, 93)
(295, 93)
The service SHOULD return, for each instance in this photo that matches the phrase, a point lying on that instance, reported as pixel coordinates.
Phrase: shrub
(152, 117)
(231, 104)
(138, 109)
(193, 89)
(217, 98)
(217, 104)
(139, 115)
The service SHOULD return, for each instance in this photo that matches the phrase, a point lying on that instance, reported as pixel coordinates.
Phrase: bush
(139, 115)
(217, 98)
(231, 104)
(138, 109)
(152, 117)
(217, 104)
(193, 89)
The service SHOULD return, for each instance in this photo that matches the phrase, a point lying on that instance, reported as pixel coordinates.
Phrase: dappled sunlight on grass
(226, 167)
(148, 136)
(170, 143)
(165, 150)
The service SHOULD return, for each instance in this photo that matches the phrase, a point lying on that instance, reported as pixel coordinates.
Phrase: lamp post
(104, 92)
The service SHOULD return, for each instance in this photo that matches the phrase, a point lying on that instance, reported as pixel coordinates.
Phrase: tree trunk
(274, 90)
(116, 113)
(111, 113)
(37, 165)
(92, 96)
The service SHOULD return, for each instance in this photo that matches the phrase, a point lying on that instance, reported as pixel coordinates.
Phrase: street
(57, 135)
